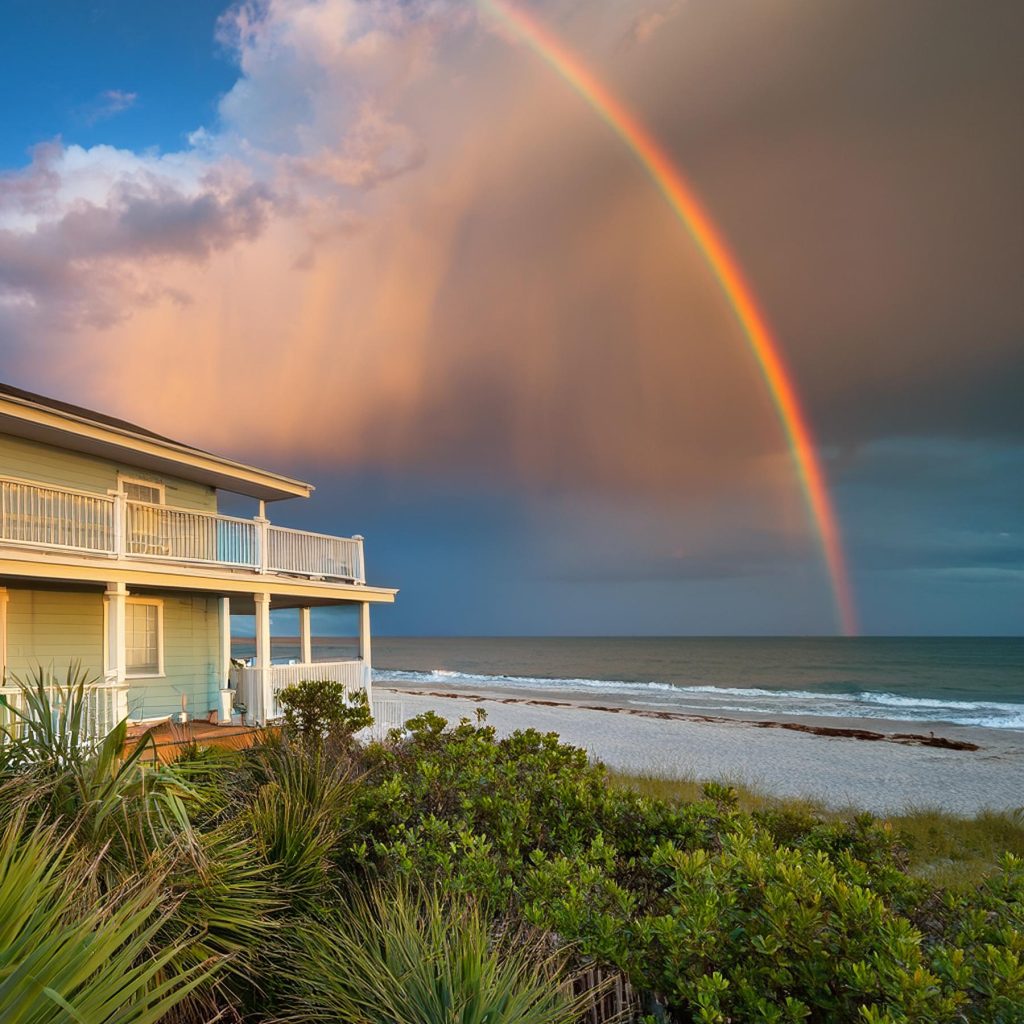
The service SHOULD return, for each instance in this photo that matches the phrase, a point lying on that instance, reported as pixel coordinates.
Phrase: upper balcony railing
(40, 516)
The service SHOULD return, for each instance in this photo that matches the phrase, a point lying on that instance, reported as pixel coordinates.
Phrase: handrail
(100, 496)
(313, 554)
(194, 512)
(310, 533)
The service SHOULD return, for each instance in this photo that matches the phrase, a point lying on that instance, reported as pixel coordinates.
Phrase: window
(142, 490)
(147, 527)
(143, 637)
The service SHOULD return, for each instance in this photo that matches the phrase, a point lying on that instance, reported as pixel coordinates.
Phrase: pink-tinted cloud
(407, 245)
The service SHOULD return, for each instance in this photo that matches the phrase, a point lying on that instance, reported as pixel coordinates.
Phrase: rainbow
(684, 202)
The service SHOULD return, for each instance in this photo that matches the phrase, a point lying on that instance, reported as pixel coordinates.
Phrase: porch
(257, 682)
(154, 653)
(103, 703)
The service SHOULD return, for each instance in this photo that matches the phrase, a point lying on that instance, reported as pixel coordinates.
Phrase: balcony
(38, 516)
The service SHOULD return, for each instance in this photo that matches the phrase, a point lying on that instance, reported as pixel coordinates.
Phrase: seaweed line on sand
(905, 738)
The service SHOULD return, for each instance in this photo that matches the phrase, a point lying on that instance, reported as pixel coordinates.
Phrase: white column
(264, 694)
(305, 637)
(224, 700)
(225, 642)
(263, 536)
(365, 652)
(115, 598)
(3, 635)
(116, 668)
(120, 538)
(359, 569)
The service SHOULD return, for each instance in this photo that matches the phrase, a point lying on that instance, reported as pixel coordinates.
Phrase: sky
(381, 245)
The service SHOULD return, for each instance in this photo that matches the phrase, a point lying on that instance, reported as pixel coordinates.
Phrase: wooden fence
(615, 1001)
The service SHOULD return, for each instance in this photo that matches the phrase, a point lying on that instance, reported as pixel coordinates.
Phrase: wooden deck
(170, 737)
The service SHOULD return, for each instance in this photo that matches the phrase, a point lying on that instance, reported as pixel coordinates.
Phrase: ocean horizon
(961, 681)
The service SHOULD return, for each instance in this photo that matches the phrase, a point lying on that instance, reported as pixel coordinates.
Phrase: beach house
(113, 553)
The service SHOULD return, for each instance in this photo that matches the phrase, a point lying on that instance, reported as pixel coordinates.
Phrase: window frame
(157, 485)
(158, 602)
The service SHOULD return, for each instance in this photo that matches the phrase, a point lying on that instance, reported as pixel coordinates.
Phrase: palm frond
(59, 962)
(400, 955)
(50, 721)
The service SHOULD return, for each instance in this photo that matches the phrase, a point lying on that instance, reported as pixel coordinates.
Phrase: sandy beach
(890, 768)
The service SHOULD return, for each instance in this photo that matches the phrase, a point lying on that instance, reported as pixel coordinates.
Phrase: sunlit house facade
(113, 554)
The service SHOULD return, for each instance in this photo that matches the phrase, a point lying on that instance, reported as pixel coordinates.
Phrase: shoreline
(883, 766)
(796, 723)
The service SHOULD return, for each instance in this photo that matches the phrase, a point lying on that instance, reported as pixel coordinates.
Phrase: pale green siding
(191, 654)
(57, 627)
(31, 460)
(49, 626)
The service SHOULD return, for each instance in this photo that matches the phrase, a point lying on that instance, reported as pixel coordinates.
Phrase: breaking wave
(739, 700)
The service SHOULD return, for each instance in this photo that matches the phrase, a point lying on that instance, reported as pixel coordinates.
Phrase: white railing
(156, 531)
(38, 515)
(106, 704)
(314, 554)
(388, 714)
(54, 517)
(258, 688)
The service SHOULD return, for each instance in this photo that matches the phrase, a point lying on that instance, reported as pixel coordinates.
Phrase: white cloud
(312, 115)
(110, 103)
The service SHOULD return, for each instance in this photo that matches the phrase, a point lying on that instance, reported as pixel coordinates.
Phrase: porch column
(225, 642)
(365, 653)
(264, 695)
(305, 637)
(263, 533)
(3, 635)
(116, 668)
(225, 698)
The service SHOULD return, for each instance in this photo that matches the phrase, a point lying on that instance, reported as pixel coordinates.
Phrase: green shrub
(472, 809)
(717, 908)
(317, 708)
(716, 914)
(788, 933)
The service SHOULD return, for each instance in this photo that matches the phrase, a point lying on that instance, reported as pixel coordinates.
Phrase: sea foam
(738, 700)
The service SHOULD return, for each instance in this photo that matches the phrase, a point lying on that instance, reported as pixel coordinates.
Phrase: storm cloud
(410, 246)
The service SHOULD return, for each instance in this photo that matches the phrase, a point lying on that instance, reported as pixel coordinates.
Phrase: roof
(37, 417)
(82, 412)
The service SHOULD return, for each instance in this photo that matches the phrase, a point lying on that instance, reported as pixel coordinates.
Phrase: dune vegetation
(449, 876)
(954, 851)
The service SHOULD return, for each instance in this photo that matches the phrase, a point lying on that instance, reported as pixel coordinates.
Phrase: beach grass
(949, 850)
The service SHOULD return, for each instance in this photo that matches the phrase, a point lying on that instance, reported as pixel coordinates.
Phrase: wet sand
(874, 764)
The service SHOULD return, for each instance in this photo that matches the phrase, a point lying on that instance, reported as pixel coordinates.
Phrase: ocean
(957, 680)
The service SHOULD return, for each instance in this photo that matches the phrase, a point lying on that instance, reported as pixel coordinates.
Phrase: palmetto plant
(120, 805)
(130, 820)
(398, 956)
(51, 720)
(301, 811)
(63, 959)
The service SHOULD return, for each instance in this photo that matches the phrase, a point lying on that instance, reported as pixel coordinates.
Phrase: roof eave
(34, 421)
